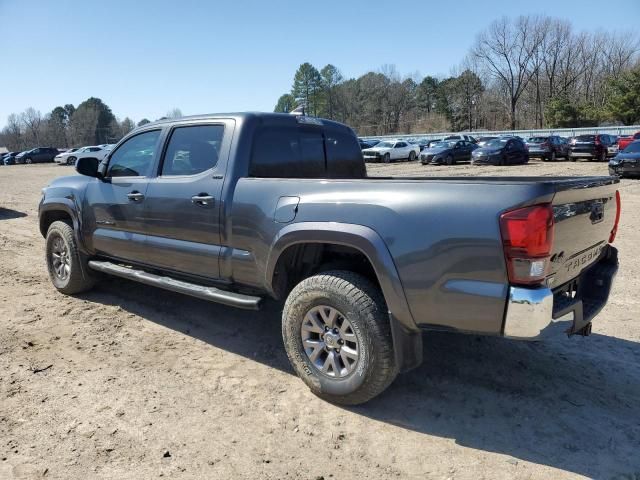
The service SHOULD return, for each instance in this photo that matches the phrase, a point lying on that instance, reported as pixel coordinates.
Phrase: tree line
(90, 123)
(525, 72)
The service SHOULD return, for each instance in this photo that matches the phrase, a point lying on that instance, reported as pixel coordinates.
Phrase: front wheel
(386, 158)
(65, 264)
(603, 156)
(337, 336)
(449, 160)
(28, 161)
(71, 161)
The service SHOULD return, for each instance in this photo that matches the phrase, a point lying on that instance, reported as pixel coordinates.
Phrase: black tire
(361, 303)
(449, 160)
(77, 277)
(603, 156)
(28, 161)
(412, 156)
(552, 157)
(572, 158)
(71, 161)
(386, 158)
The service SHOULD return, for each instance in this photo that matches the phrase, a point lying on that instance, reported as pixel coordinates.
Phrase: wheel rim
(60, 262)
(553, 156)
(329, 341)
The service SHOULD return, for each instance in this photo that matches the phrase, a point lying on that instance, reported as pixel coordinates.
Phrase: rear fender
(407, 337)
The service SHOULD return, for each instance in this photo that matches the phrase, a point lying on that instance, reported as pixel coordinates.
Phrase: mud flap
(407, 345)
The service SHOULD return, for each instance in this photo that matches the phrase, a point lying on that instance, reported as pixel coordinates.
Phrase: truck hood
(70, 181)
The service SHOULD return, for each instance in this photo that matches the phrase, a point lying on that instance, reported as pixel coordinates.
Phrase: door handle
(202, 199)
(135, 196)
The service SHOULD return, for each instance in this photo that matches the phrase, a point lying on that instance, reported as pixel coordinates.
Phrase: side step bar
(211, 294)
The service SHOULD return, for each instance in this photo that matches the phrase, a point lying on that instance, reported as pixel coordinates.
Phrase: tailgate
(584, 214)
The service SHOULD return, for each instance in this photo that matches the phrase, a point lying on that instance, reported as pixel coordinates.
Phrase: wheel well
(47, 218)
(303, 260)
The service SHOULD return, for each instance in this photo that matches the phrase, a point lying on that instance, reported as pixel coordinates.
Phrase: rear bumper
(538, 313)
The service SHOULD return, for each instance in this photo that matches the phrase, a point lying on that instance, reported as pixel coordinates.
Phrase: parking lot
(128, 381)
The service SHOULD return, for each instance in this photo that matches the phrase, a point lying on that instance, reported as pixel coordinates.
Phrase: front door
(113, 218)
(183, 204)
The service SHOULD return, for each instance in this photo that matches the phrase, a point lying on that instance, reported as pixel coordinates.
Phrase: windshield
(632, 148)
(497, 143)
(443, 144)
(537, 140)
(385, 145)
(586, 138)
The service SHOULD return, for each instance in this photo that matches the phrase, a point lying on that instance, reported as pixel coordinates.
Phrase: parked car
(627, 139)
(10, 158)
(421, 142)
(37, 155)
(448, 152)
(591, 147)
(433, 142)
(344, 253)
(626, 162)
(482, 141)
(548, 148)
(501, 151)
(63, 157)
(91, 151)
(390, 150)
(467, 138)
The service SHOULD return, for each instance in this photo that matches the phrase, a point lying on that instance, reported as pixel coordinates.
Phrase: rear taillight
(614, 230)
(527, 238)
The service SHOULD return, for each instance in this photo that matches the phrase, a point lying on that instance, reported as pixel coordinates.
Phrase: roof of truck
(277, 117)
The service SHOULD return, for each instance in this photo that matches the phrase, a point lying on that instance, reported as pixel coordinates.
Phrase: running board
(211, 294)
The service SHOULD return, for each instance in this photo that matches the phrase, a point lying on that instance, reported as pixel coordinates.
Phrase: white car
(70, 157)
(390, 150)
(63, 157)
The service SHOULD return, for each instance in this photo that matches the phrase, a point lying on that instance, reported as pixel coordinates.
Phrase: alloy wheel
(330, 341)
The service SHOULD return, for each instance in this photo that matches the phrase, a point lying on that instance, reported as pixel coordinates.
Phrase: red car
(623, 142)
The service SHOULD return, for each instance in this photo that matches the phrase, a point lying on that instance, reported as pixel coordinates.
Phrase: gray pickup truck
(235, 208)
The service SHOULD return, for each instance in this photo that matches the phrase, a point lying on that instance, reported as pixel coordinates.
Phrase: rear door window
(287, 153)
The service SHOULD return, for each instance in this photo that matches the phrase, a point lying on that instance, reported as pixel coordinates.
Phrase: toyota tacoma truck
(241, 207)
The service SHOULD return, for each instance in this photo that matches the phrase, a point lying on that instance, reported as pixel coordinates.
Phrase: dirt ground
(131, 382)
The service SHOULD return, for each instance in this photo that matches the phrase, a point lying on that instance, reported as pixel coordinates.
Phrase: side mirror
(88, 166)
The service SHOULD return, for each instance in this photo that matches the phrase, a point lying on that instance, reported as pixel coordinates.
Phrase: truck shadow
(571, 404)
(9, 214)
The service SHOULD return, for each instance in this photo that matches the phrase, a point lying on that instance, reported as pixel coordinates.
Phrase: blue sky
(145, 57)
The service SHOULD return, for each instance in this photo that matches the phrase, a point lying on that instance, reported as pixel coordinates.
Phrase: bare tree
(174, 113)
(507, 48)
(32, 120)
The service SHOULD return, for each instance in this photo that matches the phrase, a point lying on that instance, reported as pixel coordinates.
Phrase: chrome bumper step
(211, 294)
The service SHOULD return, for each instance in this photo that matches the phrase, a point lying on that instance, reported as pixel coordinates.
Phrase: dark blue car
(627, 162)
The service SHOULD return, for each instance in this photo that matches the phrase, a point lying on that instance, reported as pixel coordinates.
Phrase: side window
(134, 158)
(400, 145)
(287, 153)
(95, 149)
(344, 158)
(192, 150)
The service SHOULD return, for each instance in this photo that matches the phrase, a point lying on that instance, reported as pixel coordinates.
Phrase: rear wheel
(412, 156)
(603, 156)
(337, 336)
(552, 157)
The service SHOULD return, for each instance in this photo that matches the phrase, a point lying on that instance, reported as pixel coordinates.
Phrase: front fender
(407, 337)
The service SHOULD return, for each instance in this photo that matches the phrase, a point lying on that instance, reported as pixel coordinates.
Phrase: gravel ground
(130, 382)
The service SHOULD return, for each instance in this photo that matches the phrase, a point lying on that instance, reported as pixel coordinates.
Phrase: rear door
(183, 203)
